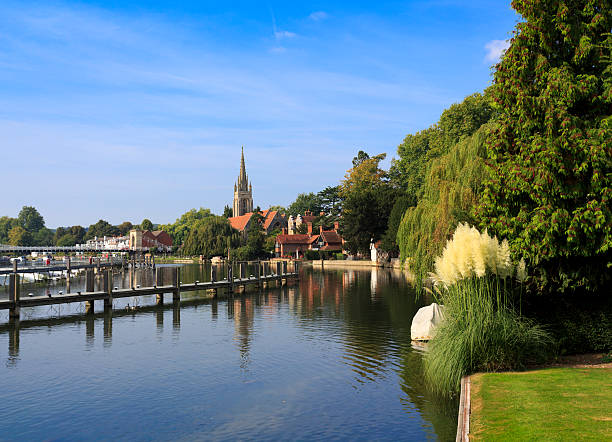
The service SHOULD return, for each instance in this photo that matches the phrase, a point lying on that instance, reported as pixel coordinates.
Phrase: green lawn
(551, 404)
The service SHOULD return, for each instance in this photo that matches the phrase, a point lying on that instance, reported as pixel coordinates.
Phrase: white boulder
(425, 321)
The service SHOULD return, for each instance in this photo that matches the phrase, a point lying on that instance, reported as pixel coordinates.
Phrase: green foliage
(228, 212)
(30, 219)
(451, 189)
(331, 201)
(100, 229)
(66, 240)
(279, 209)
(419, 150)
(209, 237)
(550, 160)
(389, 240)
(180, 229)
(255, 243)
(305, 202)
(43, 237)
(124, 228)
(146, 224)
(368, 200)
(302, 229)
(270, 241)
(6, 224)
(18, 236)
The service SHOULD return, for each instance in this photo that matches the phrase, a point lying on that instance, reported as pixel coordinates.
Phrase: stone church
(243, 191)
(243, 206)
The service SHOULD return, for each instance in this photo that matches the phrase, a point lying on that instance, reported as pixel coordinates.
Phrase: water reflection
(336, 341)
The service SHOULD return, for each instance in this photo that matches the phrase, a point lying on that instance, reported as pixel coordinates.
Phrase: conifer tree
(550, 157)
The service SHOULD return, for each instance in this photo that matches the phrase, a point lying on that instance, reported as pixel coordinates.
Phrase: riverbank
(351, 264)
(560, 403)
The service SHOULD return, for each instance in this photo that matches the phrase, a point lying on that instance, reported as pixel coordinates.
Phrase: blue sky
(129, 109)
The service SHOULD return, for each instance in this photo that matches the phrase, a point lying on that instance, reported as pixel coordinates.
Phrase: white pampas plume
(521, 271)
(503, 259)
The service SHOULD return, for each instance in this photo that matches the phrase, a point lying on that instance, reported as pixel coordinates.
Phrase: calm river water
(328, 357)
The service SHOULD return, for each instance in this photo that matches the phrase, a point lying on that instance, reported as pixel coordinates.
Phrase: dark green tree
(228, 212)
(101, 228)
(79, 233)
(42, 237)
(146, 224)
(125, 227)
(180, 229)
(550, 158)
(66, 240)
(305, 202)
(389, 240)
(331, 201)
(30, 219)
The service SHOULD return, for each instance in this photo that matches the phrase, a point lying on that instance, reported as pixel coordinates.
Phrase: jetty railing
(167, 280)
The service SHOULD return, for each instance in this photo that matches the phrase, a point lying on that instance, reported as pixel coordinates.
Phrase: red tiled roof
(313, 239)
(240, 222)
(332, 247)
(331, 237)
(269, 217)
(292, 239)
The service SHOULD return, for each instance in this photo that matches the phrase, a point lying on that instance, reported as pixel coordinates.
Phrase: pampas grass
(481, 330)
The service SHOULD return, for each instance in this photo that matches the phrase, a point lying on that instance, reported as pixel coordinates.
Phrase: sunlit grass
(551, 404)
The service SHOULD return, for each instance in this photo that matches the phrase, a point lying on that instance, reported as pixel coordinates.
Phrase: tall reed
(480, 287)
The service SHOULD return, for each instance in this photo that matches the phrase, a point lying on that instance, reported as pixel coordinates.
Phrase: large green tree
(6, 224)
(550, 157)
(209, 237)
(100, 229)
(368, 200)
(18, 236)
(180, 229)
(305, 202)
(30, 219)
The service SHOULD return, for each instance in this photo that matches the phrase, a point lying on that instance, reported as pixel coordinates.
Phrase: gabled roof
(331, 237)
(293, 239)
(268, 217)
(240, 222)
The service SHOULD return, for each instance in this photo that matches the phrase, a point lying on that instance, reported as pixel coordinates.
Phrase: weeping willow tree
(453, 182)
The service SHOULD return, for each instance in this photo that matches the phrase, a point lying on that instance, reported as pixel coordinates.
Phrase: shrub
(481, 329)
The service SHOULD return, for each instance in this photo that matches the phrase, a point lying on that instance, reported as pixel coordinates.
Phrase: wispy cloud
(495, 50)
(318, 15)
(284, 34)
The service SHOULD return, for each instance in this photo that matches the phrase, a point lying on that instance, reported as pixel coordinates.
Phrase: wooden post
(14, 294)
(108, 288)
(213, 277)
(265, 273)
(176, 294)
(284, 272)
(98, 264)
(159, 281)
(230, 277)
(89, 280)
(258, 273)
(279, 271)
(68, 274)
(243, 271)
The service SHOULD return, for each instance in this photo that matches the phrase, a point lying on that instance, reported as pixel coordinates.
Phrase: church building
(243, 192)
(243, 206)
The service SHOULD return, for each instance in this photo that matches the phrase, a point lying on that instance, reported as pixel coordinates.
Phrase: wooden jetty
(168, 280)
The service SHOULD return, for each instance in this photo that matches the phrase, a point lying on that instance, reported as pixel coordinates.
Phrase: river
(328, 357)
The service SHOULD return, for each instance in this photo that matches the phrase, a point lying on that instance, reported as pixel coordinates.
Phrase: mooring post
(284, 272)
(230, 277)
(279, 271)
(159, 281)
(265, 274)
(213, 277)
(176, 294)
(108, 288)
(243, 268)
(89, 280)
(258, 273)
(14, 292)
(68, 274)
(98, 264)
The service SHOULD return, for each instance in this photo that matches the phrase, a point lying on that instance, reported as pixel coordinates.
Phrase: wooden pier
(168, 281)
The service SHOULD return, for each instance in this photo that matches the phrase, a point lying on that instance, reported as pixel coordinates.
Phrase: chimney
(284, 231)
(321, 213)
(336, 225)
(320, 229)
(309, 224)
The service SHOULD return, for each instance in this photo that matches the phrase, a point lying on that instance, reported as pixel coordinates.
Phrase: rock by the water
(425, 321)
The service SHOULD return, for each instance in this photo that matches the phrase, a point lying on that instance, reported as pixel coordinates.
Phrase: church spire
(243, 176)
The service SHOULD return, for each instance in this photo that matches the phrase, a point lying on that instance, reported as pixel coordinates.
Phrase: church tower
(243, 192)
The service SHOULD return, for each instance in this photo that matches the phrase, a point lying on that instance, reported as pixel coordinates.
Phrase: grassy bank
(548, 404)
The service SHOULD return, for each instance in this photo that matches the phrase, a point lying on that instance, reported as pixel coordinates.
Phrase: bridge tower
(243, 191)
